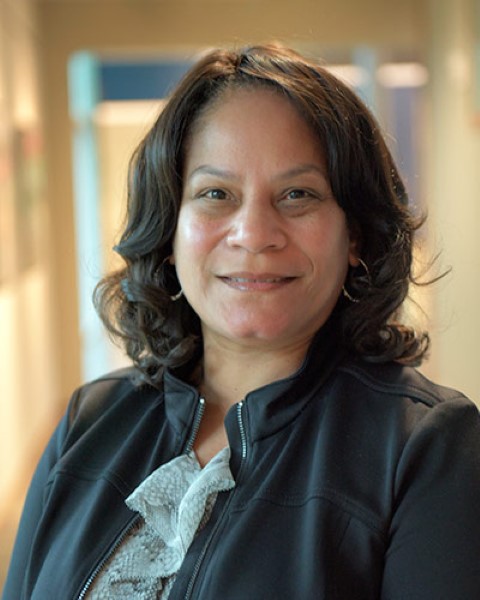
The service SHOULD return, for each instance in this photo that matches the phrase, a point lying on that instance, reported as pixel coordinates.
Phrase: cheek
(328, 240)
(193, 237)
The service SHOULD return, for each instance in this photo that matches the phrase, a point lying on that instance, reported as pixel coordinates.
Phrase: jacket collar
(271, 407)
(274, 406)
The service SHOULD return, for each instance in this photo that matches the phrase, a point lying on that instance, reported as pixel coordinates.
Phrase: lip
(260, 282)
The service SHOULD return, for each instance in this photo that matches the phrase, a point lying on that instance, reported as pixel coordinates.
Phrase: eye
(298, 194)
(299, 201)
(214, 194)
(212, 200)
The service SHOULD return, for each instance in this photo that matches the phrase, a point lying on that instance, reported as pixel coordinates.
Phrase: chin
(258, 336)
(256, 328)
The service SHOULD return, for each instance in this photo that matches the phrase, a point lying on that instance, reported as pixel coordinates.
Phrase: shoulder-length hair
(135, 302)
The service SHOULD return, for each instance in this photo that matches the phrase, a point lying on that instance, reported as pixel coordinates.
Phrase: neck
(229, 374)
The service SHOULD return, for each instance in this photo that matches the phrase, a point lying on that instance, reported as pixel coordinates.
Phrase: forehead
(252, 115)
(240, 94)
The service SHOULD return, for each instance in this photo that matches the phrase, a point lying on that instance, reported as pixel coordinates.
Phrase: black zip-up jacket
(353, 482)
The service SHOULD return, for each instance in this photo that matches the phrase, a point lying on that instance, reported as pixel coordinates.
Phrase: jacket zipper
(191, 440)
(107, 556)
(198, 564)
(241, 427)
(196, 424)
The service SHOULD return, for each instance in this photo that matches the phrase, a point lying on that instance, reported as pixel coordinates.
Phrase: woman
(274, 440)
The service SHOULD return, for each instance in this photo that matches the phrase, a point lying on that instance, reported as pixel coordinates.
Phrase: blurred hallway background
(80, 80)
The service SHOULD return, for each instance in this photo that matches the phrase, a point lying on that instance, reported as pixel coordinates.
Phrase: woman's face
(261, 247)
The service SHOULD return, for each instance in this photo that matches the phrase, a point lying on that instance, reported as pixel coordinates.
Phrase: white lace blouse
(174, 502)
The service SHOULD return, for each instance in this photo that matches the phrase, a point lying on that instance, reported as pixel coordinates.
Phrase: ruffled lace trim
(172, 501)
(175, 502)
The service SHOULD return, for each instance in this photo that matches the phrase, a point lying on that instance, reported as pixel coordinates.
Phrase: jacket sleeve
(32, 512)
(434, 547)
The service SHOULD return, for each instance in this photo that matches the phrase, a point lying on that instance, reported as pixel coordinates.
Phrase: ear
(354, 249)
(353, 259)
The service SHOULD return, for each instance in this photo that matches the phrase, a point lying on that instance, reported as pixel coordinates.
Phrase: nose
(256, 227)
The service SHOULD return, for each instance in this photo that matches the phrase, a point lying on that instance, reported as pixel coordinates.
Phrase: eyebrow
(301, 170)
(227, 174)
(215, 171)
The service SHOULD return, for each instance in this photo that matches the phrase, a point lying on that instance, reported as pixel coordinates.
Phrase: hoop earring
(347, 294)
(179, 294)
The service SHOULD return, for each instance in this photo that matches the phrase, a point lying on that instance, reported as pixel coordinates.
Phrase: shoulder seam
(409, 389)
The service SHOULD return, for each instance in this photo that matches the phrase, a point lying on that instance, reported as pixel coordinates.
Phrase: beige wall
(130, 23)
(454, 192)
(27, 368)
(28, 376)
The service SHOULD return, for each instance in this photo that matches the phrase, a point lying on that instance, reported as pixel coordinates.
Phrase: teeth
(245, 280)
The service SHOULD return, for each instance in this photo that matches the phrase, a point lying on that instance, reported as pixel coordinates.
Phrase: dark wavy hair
(135, 302)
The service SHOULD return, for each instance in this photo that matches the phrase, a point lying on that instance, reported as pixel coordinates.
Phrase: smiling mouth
(256, 284)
